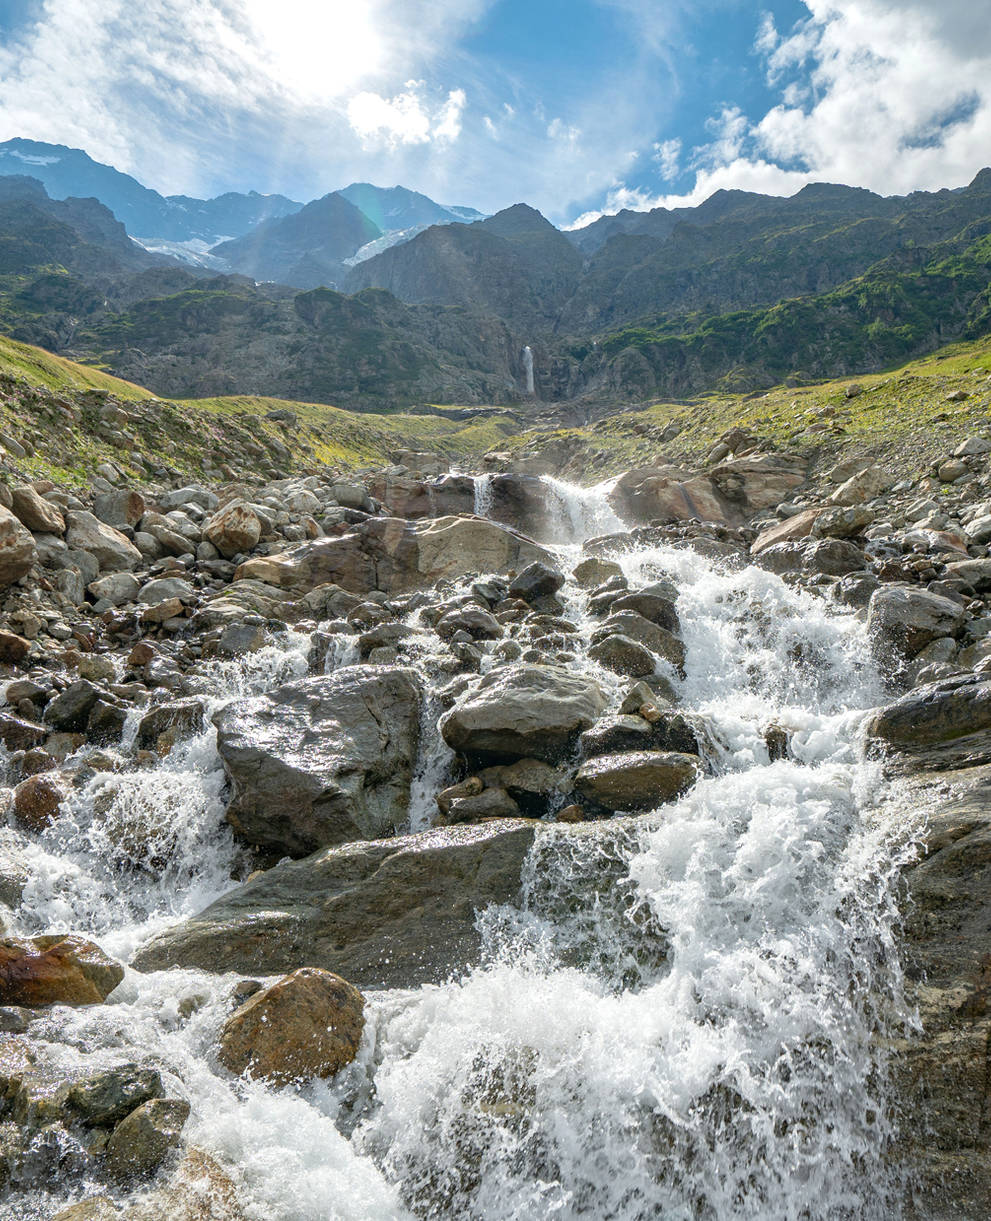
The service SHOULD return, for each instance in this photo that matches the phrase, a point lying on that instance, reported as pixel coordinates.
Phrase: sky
(577, 107)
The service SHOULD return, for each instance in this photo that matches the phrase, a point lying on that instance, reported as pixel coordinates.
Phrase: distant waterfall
(528, 368)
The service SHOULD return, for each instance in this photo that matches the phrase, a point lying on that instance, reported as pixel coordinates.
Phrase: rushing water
(683, 1019)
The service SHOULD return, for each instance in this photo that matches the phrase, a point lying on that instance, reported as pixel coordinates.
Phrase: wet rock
(69, 711)
(655, 608)
(178, 720)
(37, 800)
(523, 711)
(935, 714)
(479, 624)
(13, 648)
(490, 803)
(234, 529)
(55, 970)
(162, 588)
(387, 913)
(16, 733)
(633, 626)
(111, 550)
(17, 549)
(142, 1141)
(910, 618)
(322, 760)
(306, 1025)
(536, 581)
(104, 1098)
(34, 512)
(93, 1208)
(593, 571)
(636, 780)
(622, 655)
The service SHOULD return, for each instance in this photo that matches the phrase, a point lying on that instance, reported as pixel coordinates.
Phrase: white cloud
(407, 118)
(668, 157)
(557, 129)
(892, 95)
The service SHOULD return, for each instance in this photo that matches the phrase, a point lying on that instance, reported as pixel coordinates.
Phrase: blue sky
(576, 106)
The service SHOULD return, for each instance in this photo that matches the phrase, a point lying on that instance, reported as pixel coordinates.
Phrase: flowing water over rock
(683, 1018)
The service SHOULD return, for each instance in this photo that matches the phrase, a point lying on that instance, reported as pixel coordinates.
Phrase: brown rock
(55, 970)
(306, 1025)
(788, 531)
(35, 512)
(37, 800)
(233, 529)
(13, 648)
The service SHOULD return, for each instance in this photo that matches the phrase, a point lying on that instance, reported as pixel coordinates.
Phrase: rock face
(17, 549)
(397, 556)
(323, 760)
(523, 712)
(306, 1025)
(389, 913)
(56, 970)
(636, 780)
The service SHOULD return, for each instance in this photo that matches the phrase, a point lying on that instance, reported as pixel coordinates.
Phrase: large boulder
(909, 618)
(800, 526)
(397, 556)
(416, 498)
(636, 780)
(306, 1025)
(55, 970)
(233, 529)
(523, 712)
(323, 760)
(111, 550)
(668, 494)
(758, 481)
(17, 549)
(390, 913)
(33, 511)
(935, 714)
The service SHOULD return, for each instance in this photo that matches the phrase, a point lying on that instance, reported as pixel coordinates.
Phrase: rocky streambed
(439, 845)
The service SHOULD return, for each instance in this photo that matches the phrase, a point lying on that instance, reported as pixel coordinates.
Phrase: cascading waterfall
(684, 1018)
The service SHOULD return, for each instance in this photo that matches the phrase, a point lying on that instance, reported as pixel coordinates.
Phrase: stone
(667, 494)
(397, 556)
(536, 581)
(55, 970)
(68, 711)
(34, 512)
(163, 588)
(835, 557)
(910, 618)
(142, 1141)
(657, 609)
(104, 1098)
(111, 550)
(976, 573)
(390, 913)
(37, 800)
(119, 508)
(633, 626)
(234, 529)
(622, 655)
(322, 760)
(636, 780)
(17, 549)
(840, 522)
(490, 803)
(866, 485)
(13, 648)
(594, 571)
(791, 530)
(306, 1025)
(523, 711)
(115, 588)
(935, 714)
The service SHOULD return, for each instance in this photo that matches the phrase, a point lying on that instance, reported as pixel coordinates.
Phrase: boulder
(104, 1098)
(976, 573)
(758, 481)
(536, 581)
(34, 512)
(632, 625)
(836, 557)
(306, 1025)
(323, 760)
(233, 529)
(636, 780)
(523, 711)
(657, 609)
(17, 549)
(111, 550)
(397, 556)
(667, 494)
(56, 970)
(390, 913)
(791, 530)
(142, 1141)
(115, 588)
(910, 618)
(622, 655)
(37, 800)
(403, 496)
(864, 486)
(119, 508)
(935, 714)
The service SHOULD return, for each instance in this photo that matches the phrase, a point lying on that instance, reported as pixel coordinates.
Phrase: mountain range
(379, 297)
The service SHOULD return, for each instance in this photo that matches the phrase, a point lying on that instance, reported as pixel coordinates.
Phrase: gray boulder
(391, 913)
(111, 550)
(636, 780)
(17, 549)
(935, 714)
(523, 712)
(323, 760)
(911, 618)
